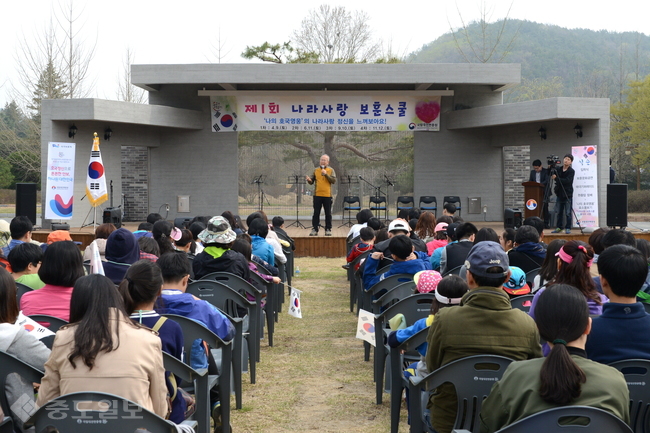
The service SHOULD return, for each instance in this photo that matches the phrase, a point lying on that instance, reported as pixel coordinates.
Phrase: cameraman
(564, 193)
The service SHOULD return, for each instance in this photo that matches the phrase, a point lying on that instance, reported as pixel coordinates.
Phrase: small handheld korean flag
(295, 309)
(33, 327)
(96, 179)
(96, 266)
(366, 327)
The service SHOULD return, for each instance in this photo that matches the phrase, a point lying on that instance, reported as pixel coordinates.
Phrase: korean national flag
(366, 327)
(295, 307)
(96, 180)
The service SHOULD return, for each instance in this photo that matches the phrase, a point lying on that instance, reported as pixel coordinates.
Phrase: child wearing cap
(406, 261)
(439, 239)
(448, 292)
(516, 284)
(217, 256)
(367, 235)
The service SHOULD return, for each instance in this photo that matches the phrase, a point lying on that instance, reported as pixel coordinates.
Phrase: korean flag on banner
(295, 308)
(224, 113)
(96, 179)
(366, 327)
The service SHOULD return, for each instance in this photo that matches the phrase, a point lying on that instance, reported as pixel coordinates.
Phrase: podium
(533, 191)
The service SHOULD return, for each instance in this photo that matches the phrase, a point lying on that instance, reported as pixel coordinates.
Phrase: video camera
(553, 161)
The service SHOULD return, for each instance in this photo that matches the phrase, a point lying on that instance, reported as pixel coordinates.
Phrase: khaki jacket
(133, 370)
(483, 324)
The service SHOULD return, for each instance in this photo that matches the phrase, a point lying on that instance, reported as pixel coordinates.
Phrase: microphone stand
(378, 192)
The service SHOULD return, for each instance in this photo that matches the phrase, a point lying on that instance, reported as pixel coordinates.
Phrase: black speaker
(512, 218)
(26, 200)
(617, 205)
(113, 215)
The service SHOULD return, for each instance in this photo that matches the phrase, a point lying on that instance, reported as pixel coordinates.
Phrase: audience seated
(507, 239)
(16, 341)
(362, 221)
(486, 234)
(122, 250)
(234, 225)
(484, 323)
(271, 238)
(395, 228)
(217, 256)
(25, 260)
(426, 226)
(196, 228)
(102, 232)
(278, 227)
(367, 235)
(62, 267)
(539, 226)
(103, 350)
(516, 284)
(596, 242)
(149, 249)
(258, 230)
(564, 377)
(162, 232)
(21, 231)
(140, 289)
(528, 254)
(575, 258)
(439, 238)
(623, 330)
(406, 261)
(549, 265)
(448, 292)
(454, 254)
(611, 238)
(644, 246)
(451, 239)
(143, 231)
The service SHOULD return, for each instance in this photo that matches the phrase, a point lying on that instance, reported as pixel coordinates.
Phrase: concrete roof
(529, 111)
(304, 76)
(124, 112)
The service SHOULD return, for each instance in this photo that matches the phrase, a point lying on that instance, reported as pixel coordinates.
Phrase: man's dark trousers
(325, 202)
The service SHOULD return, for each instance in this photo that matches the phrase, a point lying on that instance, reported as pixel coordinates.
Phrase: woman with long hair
(16, 341)
(426, 226)
(103, 350)
(564, 377)
(162, 232)
(140, 290)
(549, 266)
(573, 262)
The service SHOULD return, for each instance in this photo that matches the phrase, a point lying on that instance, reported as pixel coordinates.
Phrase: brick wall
(135, 182)
(516, 169)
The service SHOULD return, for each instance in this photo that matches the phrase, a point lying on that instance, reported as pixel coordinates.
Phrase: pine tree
(50, 85)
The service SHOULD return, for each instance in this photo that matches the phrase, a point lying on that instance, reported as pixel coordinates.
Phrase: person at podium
(539, 174)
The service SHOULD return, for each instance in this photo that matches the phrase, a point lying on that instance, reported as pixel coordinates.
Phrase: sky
(173, 32)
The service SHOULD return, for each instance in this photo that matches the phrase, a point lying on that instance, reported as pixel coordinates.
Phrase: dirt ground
(314, 377)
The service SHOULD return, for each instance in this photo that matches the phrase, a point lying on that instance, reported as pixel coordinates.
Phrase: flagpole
(95, 220)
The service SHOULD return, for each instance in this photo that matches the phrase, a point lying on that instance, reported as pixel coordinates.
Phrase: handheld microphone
(360, 177)
(322, 167)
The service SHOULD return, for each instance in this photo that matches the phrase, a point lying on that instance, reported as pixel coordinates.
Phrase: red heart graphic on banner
(427, 111)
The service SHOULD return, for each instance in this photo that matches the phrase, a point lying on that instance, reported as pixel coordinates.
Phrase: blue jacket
(263, 249)
(396, 338)
(184, 304)
(621, 332)
(421, 263)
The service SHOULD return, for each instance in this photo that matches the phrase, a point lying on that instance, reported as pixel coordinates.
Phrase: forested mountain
(555, 61)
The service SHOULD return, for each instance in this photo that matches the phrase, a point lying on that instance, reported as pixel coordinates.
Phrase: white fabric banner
(585, 186)
(366, 326)
(325, 113)
(295, 307)
(60, 180)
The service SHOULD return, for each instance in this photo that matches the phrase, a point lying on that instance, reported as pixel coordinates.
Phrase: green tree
(631, 125)
(50, 85)
(6, 178)
(537, 88)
